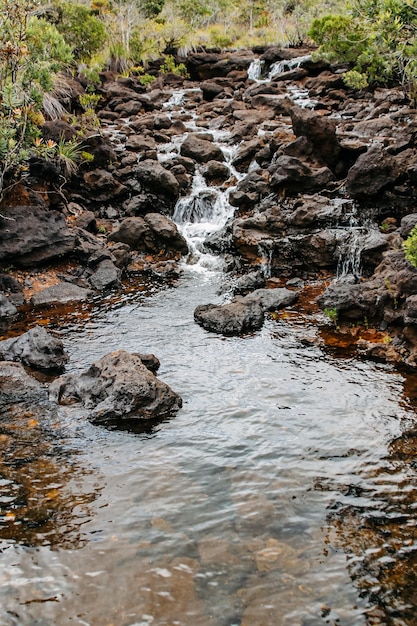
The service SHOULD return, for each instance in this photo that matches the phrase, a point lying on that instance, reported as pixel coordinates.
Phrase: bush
(85, 33)
(410, 247)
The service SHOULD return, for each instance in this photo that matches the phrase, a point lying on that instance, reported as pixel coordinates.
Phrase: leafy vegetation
(410, 247)
(376, 38)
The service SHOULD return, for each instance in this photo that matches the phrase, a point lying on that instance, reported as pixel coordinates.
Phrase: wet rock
(86, 244)
(121, 254)
(36, 348)
(353, 302)
(31, 235)
(7, 310)
(215, 172)
(61, 293)
(373, 172)
(16, 387)
(210, 90)
(248, 282)
(117, 387)
(153, 233)
(156, 178)
(201, 150)
(206, 65)
(235, 318)
(279, 104)
(273, 299)
(250, 190)
(106, 276)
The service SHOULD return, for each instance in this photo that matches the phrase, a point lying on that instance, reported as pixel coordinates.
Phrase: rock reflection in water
(375, 523)
(39, 501)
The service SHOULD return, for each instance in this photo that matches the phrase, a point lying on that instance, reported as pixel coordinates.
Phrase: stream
(283, 493)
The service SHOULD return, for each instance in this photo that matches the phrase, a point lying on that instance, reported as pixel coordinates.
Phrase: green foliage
(67, 155)
(31, 52)
(332, 314)
(378, 39)
(170, 66)
(410, 247)
(82, 30)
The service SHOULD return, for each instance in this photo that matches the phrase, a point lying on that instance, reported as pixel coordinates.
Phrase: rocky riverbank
(322, 181)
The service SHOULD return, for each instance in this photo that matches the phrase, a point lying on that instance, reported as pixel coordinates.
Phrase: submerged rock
(119, 386)
(37, 348)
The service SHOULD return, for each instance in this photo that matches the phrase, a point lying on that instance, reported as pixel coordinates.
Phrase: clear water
(282, 493)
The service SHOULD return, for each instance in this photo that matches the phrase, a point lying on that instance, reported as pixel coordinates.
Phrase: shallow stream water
(283, 493)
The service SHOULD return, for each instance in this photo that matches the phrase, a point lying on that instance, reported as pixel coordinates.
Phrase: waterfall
(266, 251)
(206, 208)
(285, 66)
(255, 70)
(350, 252)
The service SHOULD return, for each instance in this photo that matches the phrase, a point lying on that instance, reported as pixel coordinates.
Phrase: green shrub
(81, 29)
(410, 247)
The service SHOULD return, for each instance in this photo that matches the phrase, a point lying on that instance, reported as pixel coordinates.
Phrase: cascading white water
(284, 66)
(206, 209)
(255, 69)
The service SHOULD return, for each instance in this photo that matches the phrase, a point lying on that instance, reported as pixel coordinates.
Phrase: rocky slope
(326, 190)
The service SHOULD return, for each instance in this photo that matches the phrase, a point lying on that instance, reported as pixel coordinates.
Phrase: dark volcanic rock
(272, 299)
(106, 276)
(31, 235)
(155, 177)
(118, 386)
(230, 319)
(102, 186)
(37, 348)
(372, 173)
(201, 150)
(61, 293)
(243, 314)
(152, 233)
(321, 132)
(295, 176)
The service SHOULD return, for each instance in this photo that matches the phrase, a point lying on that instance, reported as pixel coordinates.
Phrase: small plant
(332, 314)
(169, 65)
(410, 247)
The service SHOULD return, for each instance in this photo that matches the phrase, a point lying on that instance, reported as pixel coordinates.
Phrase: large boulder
(294, 175)
(152, 233)
(36, 348)
(118, 386)
(31, 235)
(273, 299)
(373, 172)
(102, 186)
(321, 131)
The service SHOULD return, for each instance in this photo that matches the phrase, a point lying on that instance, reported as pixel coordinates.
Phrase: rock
(87, 221)
(210, 90)
(58, 130)
(36, 348)
(105, 277)
(373, 172)
(201, 150)
(235, 318)
(320, 131)
(7, 309)
(407, 224)
(272, 299)
(152, 233)
(102, 186)
(155, 177)
(61, 293)
(295, 176)
(248, 282)
(16, 387)
(117, 387)
(31, 235)
(215, 172)
(206, 65)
